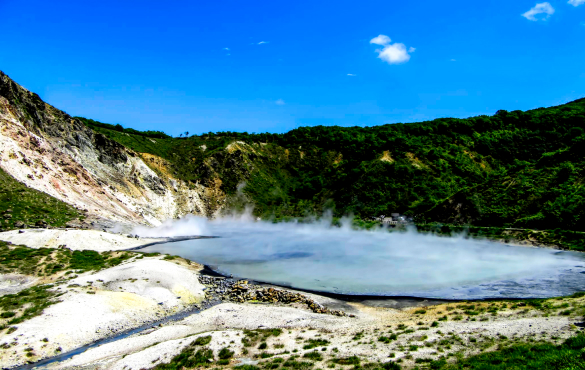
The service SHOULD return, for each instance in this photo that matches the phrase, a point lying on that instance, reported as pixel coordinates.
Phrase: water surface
(344, 261)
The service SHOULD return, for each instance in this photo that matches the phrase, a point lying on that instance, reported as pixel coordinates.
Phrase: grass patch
(225, 354)
(297, 365)
(353, 360)
(188, 358)
(312, 343)
(26, 304)
(30, 206)
(253, 337)
(315, 356)
(388, 339)
(202, 341)
(50, 261)
(569, 355)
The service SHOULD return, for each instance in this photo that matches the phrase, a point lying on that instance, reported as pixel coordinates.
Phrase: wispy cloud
(453, 60)
(351, 74)
(263, 42)
(226, 48)
(576, 2)
(545, 9)
(411, 49)
(391, 53)
(279, 102)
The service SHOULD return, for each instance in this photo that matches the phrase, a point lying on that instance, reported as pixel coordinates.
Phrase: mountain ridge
(432, 170)
(512, 169)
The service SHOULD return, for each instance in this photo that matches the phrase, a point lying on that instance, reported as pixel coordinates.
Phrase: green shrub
(225, 354)
(315, 356)
(202, 341)
(312, 343)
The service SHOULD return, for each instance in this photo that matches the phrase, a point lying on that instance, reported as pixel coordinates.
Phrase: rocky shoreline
(240, 291)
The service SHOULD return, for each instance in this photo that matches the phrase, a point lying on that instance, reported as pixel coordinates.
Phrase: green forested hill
(516, 169)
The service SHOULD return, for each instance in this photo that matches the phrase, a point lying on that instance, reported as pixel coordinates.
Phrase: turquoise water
(340, 260)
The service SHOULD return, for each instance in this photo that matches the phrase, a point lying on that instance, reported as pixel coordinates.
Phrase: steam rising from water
(319, 256)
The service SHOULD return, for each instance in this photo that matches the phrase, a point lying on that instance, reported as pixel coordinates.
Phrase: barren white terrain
(103, 304)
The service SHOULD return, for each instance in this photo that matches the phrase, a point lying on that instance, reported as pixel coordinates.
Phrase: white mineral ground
(143, 290)
(74, 239)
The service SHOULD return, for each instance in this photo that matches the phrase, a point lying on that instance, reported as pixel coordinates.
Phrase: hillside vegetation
(22, 206)
(513, 169)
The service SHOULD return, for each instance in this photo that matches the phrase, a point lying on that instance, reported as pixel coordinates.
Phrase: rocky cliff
(52, 152)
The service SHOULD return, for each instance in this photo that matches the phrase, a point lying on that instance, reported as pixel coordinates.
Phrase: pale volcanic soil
(97, 305)
(74, 239)
(345, 336)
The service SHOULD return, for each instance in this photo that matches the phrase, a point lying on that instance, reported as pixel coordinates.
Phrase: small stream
(125, 334)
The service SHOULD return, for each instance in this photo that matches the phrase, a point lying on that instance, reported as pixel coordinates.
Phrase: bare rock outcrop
(50, 151)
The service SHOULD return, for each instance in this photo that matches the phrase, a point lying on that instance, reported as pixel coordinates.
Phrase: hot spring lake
(322, 258)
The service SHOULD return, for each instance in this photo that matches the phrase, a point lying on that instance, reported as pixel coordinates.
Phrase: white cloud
(391, 53)
(394, 54)
(380, 40)
(226, 48)
(576, 2)
(263, 42)
(280, 102)
(540, 8)
(351, 74)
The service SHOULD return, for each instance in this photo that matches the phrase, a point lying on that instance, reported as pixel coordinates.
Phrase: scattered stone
(241, 291)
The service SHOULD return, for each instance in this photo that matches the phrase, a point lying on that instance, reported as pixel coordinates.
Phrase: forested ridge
(512, 169)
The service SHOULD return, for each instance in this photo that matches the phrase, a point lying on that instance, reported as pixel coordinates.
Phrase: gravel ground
(143, 290)
(14, 283)
(346, 336)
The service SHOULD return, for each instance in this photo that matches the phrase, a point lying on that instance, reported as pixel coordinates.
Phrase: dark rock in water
(21, 231)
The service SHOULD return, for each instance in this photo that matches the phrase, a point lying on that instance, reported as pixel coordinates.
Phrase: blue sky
(272, 66)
